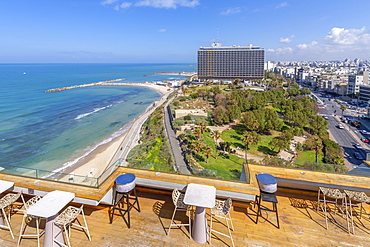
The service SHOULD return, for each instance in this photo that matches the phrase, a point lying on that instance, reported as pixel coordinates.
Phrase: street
(348, 136)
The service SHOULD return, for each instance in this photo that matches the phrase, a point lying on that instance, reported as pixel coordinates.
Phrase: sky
(171, 31)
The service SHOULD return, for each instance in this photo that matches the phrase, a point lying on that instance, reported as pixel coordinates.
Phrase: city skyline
(171, 31)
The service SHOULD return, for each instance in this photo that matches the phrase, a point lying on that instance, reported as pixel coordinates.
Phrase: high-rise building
(228, 63)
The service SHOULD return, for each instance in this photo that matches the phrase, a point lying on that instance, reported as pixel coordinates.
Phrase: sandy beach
(93, 165)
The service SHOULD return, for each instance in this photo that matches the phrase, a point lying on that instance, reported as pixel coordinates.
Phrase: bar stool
(268, 187)
(124, 188)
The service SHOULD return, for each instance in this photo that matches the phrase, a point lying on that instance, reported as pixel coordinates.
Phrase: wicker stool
(124, 191)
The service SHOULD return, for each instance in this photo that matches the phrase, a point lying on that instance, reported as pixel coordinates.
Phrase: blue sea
(49, 131)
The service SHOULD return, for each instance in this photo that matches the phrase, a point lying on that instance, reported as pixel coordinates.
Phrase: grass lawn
(224, 162)
(261, 149)
(309, 156)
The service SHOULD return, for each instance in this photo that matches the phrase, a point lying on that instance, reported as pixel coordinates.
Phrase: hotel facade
(229, 63)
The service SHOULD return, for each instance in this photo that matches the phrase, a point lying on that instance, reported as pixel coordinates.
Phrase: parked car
(364, 132)
(357, 145)
(358, 156)
(365, 140)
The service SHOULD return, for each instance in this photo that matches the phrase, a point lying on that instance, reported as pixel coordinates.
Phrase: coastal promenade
(133, 134)
(174, 142)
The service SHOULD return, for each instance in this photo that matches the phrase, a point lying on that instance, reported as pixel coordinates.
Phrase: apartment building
(229, 63)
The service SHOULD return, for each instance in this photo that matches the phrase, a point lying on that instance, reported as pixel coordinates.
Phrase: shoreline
(96, 162)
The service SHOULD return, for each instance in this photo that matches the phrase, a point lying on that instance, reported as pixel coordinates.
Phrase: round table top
(125, 178)
(266, 178)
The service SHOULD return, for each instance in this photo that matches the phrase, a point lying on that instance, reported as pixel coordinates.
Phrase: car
(357, 145)
(340, 126)
(358, 156)
(365, 140)
(364, 132)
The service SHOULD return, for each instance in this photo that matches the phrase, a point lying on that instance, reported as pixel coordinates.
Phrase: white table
(48, 207)
(201, 196)
(4, 186)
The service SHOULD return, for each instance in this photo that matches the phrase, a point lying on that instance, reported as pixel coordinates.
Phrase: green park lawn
(309, 156)
(262, 148)
(224, 162)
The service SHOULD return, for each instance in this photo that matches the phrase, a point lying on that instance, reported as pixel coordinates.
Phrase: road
(347, 136)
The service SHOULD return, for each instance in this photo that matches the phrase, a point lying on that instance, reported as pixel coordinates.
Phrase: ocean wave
(92, 112)
(89, 151)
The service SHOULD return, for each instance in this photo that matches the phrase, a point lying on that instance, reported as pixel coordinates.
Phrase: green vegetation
(262, 124)
(154, 152)
(308, 155)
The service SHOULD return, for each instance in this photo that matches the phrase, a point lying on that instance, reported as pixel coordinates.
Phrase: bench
(157, 184)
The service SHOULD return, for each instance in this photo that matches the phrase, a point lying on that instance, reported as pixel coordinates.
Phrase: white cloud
(125, 5)
(106, 2)
(343, 36)
(286, 40)
(162, 30)
(282, 5)
(231, 11)
(167, 4)
(338, 43)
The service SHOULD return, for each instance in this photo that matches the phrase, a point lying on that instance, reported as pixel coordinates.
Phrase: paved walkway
(174, 142)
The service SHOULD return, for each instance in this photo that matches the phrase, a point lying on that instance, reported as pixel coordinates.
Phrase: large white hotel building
(228, 63)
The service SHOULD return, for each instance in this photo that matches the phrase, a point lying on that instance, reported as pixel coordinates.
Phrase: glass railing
(236, 176)
(194, 171)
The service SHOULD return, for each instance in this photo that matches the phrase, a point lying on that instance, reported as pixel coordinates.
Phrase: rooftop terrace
(300, 223)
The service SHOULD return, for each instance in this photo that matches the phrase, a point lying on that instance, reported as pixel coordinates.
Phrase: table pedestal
(58, 231)
(199, 227)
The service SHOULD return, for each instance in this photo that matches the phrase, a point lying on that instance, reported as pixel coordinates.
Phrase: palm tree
(216, 135)
(343, 108)
(250, 138)
(207, 150)
(202, 127)
(198, 133)
(196, 146)
(318, 147)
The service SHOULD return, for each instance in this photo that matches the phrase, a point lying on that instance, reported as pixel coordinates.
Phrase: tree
(342, 108)
(220, 115)
(216, 135)
(318, 125)
(250, 138)
(318, 147)
(207, 150)
(198, 133)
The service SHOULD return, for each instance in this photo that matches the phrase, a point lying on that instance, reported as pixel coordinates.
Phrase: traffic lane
(345, 140)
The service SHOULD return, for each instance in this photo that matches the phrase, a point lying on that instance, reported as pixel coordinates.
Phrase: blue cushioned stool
(268, 186)
(125, 186)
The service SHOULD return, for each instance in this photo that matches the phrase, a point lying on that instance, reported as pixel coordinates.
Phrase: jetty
(84, 85)
(172, 73)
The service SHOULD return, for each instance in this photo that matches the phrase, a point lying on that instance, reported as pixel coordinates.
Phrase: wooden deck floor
(300, 225)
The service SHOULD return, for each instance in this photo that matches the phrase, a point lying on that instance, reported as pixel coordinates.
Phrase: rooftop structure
(228, 63)
(300, 223)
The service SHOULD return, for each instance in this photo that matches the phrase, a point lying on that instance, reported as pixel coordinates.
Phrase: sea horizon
(50, 131)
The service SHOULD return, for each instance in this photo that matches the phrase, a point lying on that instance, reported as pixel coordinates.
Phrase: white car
(340, 126)
(357, 145)
(364, 132)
